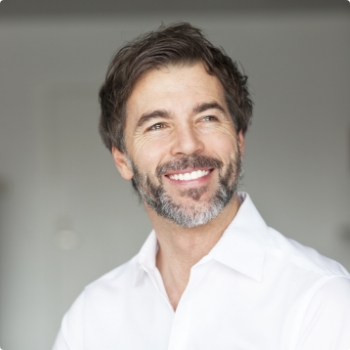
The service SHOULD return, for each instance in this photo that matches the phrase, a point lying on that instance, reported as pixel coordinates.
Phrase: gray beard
(195, 214)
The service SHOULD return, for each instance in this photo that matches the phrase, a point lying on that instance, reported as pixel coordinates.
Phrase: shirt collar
(147, 255)
(241, 247)
(146, 258)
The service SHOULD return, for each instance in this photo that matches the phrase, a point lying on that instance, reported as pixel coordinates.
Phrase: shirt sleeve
(70, 336)
(326, 325)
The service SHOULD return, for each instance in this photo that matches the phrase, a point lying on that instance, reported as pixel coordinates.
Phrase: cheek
(223, 141)
(146, 151)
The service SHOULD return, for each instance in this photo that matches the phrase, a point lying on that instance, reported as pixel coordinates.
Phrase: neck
(180, 248)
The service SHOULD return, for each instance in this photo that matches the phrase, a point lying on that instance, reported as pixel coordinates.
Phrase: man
(211, 275)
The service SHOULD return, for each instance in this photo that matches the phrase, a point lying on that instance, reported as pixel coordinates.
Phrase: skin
(164, 122)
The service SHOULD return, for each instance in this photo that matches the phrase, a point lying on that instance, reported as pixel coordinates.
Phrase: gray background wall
(66, 216)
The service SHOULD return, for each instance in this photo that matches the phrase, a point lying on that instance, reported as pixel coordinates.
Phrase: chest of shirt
(220, 309)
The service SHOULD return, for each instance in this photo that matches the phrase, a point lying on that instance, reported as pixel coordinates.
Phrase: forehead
(174, 87)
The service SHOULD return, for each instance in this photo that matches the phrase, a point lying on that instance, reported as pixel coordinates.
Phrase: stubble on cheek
(151, 190)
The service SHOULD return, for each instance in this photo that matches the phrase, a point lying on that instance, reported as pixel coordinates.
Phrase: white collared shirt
(255, 290)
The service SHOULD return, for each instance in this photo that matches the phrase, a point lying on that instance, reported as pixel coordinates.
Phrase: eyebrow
(155, 114)
(205, 106)
(164, 114)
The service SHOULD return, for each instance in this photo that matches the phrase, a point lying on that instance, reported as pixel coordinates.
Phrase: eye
(157, 126)
(210, 118)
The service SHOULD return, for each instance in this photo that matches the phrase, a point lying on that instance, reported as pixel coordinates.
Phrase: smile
(189, 176)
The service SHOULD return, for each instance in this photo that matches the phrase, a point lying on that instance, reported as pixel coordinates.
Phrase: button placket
(180, 333)
(157, 282)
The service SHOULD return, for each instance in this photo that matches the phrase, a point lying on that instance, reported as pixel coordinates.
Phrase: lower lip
(199, 181)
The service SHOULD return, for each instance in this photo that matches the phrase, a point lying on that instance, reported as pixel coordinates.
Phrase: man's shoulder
(123, 275)
(307, 259)
(282, 253)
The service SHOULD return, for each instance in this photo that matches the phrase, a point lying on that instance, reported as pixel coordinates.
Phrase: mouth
(189, 174)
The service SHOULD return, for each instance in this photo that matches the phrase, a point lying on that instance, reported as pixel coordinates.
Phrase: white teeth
(190, 176)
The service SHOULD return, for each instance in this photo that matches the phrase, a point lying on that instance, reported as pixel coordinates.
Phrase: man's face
(183, 150)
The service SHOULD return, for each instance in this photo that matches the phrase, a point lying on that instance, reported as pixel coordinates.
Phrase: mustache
(192, 161)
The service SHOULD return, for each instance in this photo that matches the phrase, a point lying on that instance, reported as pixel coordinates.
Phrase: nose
(187, 141)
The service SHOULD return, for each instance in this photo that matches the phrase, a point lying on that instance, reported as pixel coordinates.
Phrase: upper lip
(187, 170)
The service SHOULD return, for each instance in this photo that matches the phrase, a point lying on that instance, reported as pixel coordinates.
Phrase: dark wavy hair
(176, 44)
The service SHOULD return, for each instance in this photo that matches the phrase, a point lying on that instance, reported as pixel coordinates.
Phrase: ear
(122, 164)
(240, 140)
